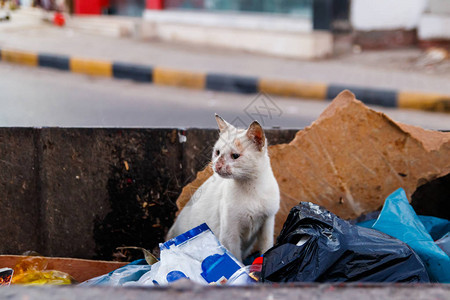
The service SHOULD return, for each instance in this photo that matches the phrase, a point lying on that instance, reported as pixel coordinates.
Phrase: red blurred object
(258, 261)
(256, 268)
(58, 19)
(154, 4)
(90, 7)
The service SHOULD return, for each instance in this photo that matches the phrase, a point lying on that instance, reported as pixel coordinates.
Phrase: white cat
(240, 200)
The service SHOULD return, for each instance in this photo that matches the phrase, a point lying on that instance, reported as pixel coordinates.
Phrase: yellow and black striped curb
(229, 83)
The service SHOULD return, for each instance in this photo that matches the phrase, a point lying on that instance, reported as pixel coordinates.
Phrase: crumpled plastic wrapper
(32, 270)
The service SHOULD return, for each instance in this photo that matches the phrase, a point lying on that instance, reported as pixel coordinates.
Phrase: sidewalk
(388, 70)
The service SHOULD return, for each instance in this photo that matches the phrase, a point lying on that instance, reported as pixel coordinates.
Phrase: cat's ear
(255, 133)
(223, 125)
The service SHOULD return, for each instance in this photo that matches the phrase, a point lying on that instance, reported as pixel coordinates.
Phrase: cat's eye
(217, 152)
(235, 155)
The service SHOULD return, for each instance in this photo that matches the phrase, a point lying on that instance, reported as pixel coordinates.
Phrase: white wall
(274, 35)
(434, 26)
(440, 7)
(369, 15)
(26, 2)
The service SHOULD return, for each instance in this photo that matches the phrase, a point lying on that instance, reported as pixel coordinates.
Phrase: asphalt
(39, 97)
(386, 78)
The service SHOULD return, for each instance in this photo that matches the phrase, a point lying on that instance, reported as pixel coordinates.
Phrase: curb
(227, 82)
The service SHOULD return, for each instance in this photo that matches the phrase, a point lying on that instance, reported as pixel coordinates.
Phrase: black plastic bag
(317, 246)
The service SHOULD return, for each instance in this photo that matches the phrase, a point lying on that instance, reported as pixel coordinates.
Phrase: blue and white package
(197, 255)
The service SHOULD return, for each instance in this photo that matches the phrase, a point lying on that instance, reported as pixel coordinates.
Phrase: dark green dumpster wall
(82, 192)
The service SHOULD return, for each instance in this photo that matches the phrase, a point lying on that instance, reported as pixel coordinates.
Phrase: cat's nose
(219, 164)
(219, 167)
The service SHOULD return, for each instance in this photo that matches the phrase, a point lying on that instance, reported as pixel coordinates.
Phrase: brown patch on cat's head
(238, 145)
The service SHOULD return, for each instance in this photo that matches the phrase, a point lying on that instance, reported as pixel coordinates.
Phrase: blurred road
(44, 97)
(398, 69)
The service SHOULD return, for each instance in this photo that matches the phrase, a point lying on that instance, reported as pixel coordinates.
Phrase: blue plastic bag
(121, 276)
(444, 243)
(398, 219)
(436, 227)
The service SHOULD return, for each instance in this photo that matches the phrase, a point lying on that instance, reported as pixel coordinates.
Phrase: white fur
(240, 204)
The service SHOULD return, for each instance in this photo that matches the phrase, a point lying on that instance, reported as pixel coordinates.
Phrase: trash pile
(314, 246)
(398, 219)
(196, 255)
(33, 270)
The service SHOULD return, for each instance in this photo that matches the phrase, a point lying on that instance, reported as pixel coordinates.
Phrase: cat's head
(239, 153)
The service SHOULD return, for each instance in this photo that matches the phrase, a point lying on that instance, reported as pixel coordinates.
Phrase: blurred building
(136, 7)
(387, 23)
(289, 28)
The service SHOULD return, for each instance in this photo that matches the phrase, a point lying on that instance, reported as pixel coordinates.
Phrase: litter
(314, 246)
(248, 274)
(444, 243)
(398, 219)
(6, 276)
(317, 246)
(32, 271)
(197, 255)
(436, 227)
(121, 276)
